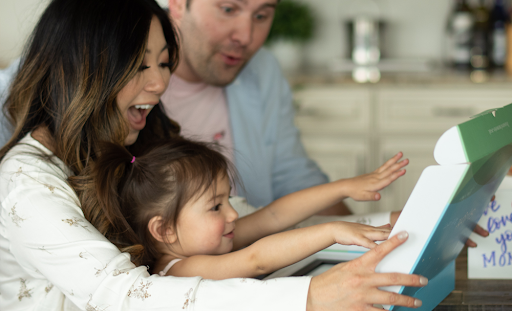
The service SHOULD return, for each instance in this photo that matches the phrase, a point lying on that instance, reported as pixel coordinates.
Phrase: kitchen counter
(475, 294)
(437, 77)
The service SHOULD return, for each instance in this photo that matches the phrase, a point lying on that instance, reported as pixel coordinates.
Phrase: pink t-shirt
(202, 112)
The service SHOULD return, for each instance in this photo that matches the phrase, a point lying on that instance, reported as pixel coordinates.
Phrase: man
(228, 90)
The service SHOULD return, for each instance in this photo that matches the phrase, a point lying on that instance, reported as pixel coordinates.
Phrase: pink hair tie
(133, 160)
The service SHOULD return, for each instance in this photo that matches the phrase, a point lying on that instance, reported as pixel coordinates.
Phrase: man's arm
(268, 152)
(6, 77)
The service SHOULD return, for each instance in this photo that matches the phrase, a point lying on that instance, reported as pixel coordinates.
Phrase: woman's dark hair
(79, 57)
(157, 183)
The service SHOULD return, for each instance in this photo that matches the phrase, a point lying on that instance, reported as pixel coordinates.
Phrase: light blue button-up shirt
(6, 76)
(269, 155)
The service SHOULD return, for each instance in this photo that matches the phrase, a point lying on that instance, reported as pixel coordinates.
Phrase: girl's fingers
(378, 235)
(367, 196)
(389, 179)
(395, 167)
(372, 308)
(389, 162)
(374, 256)
(385, 226)
(365, 242)
(380, 184)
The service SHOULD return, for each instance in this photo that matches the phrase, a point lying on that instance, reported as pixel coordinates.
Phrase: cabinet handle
(308, 112)
(452, 111)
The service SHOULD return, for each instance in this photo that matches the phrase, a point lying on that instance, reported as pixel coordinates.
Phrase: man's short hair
(188, 3)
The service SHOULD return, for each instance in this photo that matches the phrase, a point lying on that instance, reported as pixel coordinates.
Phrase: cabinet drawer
(330, 109)
(423, 110)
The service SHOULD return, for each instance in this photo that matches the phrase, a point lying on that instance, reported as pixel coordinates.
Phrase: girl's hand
(350, 233)
(365, 187)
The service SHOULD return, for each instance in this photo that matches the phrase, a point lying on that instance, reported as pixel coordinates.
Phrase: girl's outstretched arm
(279, 250)
(296, 207)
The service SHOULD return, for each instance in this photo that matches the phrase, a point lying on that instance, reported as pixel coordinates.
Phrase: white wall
(17, 19)
(415, 27)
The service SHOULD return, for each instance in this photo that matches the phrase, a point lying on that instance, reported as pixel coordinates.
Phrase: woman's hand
(365, 187)
(350, 233)
(354, 285)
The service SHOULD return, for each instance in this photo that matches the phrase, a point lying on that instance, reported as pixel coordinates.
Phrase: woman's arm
(279, 250)
(54, 254)
(293, 208)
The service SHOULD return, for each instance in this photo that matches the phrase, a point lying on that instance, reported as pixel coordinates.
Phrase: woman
(94, 71)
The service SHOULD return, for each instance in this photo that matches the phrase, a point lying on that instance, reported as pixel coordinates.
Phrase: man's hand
(354, 285)
(480, 231)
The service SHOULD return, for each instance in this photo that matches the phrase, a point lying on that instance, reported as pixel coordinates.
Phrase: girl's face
(143, 92)
(206, 226)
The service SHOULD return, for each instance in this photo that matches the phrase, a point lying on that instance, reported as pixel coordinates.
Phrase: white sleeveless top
(168, 267)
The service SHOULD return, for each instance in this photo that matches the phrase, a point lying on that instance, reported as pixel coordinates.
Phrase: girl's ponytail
(114, 166)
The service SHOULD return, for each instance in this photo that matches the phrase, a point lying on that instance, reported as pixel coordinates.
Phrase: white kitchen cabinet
(350, 130)
(333, 110)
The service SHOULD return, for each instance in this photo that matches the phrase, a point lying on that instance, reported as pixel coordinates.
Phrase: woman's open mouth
(137, 116)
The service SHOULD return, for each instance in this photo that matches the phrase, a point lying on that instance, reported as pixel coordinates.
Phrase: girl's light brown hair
(79, 57)
(159, 182)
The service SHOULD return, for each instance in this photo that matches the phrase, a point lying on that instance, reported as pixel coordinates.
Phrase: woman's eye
(143, 67)
(168, 65)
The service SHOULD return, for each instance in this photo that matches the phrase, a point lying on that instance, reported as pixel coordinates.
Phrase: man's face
(219, 37)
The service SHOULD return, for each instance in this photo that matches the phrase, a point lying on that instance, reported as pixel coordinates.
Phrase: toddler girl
(175, 198)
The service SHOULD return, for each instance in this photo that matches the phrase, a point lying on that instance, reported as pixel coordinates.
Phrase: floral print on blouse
(52, 258)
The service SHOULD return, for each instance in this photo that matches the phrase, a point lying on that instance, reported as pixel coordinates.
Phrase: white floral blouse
(51, 258)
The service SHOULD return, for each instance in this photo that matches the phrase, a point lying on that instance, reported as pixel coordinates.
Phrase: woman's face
(143, 92)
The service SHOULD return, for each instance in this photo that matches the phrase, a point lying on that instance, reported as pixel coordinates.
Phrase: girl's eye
(216, 207)
(168, 65)
(143, 67)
